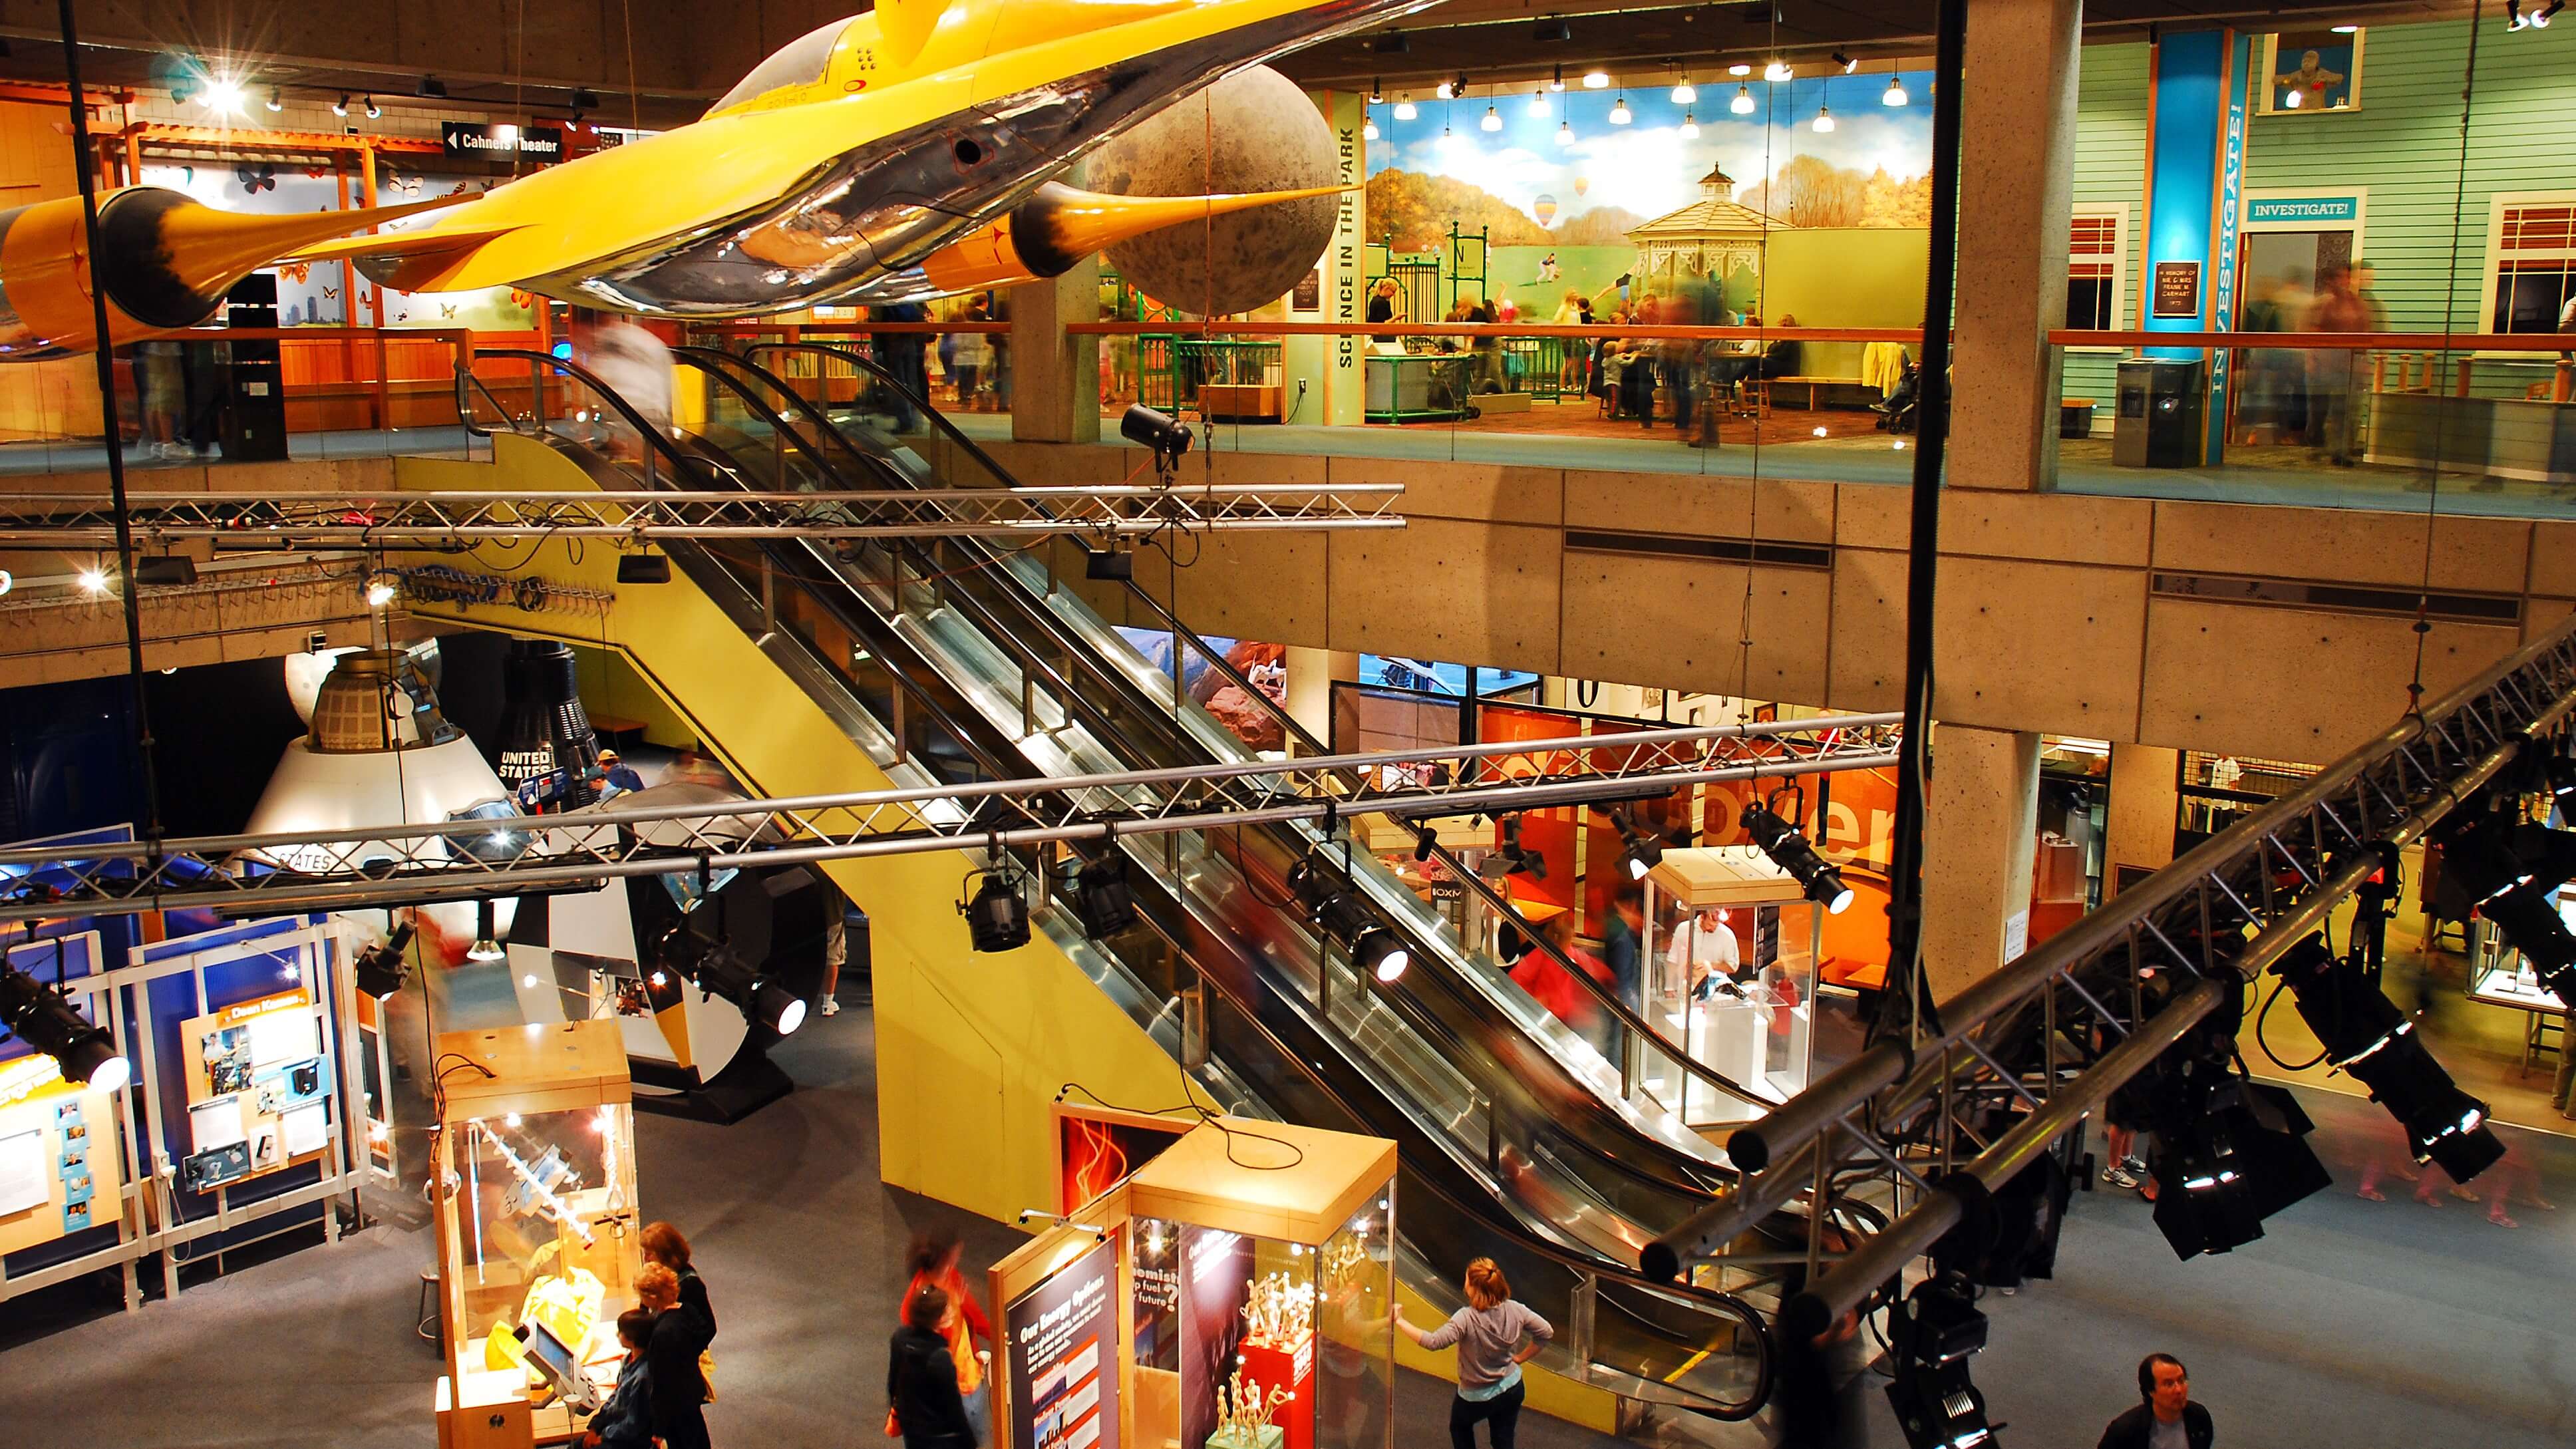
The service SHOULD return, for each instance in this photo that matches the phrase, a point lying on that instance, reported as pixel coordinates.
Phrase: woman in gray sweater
(1495, 1335)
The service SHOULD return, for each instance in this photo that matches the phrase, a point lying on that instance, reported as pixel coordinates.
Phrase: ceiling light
(1824, 119)
(1368, 130)
(1739, 69)
(1556, 82)
(1620, 115)
(1742, 105)
(1596, 80)
(1565, 133)
(1377, 94)
(1846, 62)
(1690, 127)
(762, 1001)
(997, 919)
(1493, 119)
(1777, 70)
(1685, 93)
(1445, 91)
(381, 968)
(373, 110)
(92, 581)
(380, 593)
(1404, 110)
(1895, 94)
(45, 1019)
(340, 107)
(1448, 142)
(2344, 29)
(1790, 850)
(485, 947)
(1538, 103)
(276, 99)
(222, 97)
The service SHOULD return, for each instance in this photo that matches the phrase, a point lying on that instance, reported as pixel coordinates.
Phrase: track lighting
(1742, 105)
(1101, 897)
(373, 110)
(1790, 850)
(485, 947)
(1596, 80)
(1493, 119)
(1404, 110)
(1846, 62)
(1895, 94)
(1620, 115)
(276, 99)
(1777, 71)
(1690, 127)
(381, 968)
(1339, 915)
(340, 107)
(1556, 81)
(45, 1019)
(2365, 1034)
(997, 919)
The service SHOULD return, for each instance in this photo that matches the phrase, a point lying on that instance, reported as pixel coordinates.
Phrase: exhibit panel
(64, 1175)
(1731, 944)
(1251, 1265)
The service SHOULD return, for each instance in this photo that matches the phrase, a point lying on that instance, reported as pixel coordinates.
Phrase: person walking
(679, 1390)
(2165, 1417)
(933, 1264)
(922, 1402)
(1495, 1334)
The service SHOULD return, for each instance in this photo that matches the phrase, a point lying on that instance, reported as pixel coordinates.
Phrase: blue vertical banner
(2222, 261)
(2184, 151)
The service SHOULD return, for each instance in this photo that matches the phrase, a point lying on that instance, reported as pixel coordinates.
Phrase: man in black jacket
(2168, 1419)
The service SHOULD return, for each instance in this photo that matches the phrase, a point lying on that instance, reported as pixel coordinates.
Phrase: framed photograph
(2309, 70)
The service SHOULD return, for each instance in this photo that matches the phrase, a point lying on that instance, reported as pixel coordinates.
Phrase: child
(626, 1420)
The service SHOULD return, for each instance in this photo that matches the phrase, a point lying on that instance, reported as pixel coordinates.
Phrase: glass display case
(2499, 975)
(537, 1217)
(1255, 1262)
(1730, 977)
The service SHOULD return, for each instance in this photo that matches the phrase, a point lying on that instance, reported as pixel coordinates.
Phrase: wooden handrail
(2326, 341)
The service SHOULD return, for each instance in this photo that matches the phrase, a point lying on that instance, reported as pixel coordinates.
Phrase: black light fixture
(1108, 565)
(1644, 847)
(340, 107)
(1790, 850)
(1550, 30)
(276, 98)
(2234, 1151)
(1425, 841)
(997, 918)
(2365, 1034)
(431, 88)
(167, 571)
(1515, 858)
(1101, 897)
(45, 1019)
(1846, 62)
(1377, 94)
(1155, 432)
(1931, 1336)
(373, 110)
(584, 99)
(486, 946)
(381, 968)
(1331, 906)
(644, 568)
(761, 1001)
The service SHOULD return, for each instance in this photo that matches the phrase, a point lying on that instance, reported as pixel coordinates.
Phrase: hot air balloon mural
(1582, 184)
(1544, 209)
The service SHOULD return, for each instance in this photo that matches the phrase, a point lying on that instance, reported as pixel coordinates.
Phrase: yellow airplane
(900, 154)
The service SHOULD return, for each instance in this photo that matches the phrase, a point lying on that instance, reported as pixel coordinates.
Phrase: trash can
(2158, 424)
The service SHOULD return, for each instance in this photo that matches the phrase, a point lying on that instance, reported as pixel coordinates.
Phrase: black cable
(1207, 1116)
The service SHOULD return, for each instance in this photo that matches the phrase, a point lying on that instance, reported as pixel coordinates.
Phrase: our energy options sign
(1063, 1346)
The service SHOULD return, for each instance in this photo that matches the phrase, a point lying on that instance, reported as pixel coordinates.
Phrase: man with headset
(2167, 1418)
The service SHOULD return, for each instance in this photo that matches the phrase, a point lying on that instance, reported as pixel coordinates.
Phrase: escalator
(952, 660)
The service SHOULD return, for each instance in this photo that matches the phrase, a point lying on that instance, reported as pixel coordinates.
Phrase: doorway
(2277, 275)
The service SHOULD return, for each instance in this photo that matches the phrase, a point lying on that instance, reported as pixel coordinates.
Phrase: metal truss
(428, 520)
(501, 856)
(1998, 1073)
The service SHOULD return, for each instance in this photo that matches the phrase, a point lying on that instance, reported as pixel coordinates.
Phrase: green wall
(2110, 170)
(1844, 277)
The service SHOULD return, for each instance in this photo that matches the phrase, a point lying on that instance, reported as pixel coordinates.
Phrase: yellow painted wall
(1844, 277)
(42, 399)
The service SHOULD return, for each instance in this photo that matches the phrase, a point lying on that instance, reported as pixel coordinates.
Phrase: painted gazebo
(1713, 236)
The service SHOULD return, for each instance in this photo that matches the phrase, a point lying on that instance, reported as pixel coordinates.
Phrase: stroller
(1896, 412)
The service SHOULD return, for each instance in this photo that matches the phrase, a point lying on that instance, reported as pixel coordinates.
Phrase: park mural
(1526, 188)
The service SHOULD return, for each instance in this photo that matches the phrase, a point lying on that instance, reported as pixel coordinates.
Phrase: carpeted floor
(2354, 1323)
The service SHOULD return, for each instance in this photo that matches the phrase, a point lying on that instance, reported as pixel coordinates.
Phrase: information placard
(1063, 1347)
(2177, 292)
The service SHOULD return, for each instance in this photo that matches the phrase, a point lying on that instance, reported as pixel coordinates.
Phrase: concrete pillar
(1055, 379)
(1980, 820)
(2016, 195)
(1311, 673)
(2139, 832)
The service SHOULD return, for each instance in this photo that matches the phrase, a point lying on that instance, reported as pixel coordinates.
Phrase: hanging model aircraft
(900, 154)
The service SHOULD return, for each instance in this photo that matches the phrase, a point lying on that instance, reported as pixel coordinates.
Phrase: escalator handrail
(684, 463)
(1607, 999)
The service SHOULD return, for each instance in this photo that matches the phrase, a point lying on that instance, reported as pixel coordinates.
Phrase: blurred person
(836, 950)
(1488, 349)
(1573, 352)
(1495, 1334)
(900, 354)
(2332, 371)
(616, 776)
(962, 1324)
(1783, 357)
(973, 352)
(2365, 285)
(1548, 984)
(999, 383)
(922, 1399)
(690, 767)
(625, 1421)
(2166, 1417)
(1381, 304)
(635, 364)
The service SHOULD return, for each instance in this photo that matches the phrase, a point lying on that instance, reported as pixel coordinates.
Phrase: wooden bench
(1815, 387)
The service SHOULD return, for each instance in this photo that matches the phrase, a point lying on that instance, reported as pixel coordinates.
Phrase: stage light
(1931, 1336)
(1404, 109)
(1643, 848)
(1556, 80)
(1777, 71)
(1551, 31)
(380, 592)
(1156, 432)
(1824, 119)
(1565, 133)
(1519, 859)
(1445, 91)
(1425, 841)
(1368, 129)
(2235, 1153)
(644, 568)
(1101, 897)
(1690, 127)
(485, 948)
(583, 99)
(167, 571)
(45, 1019)
(1685, 93)
(1790, 850)
(1338, 914)
(1846, 62)
(1381, 955)
(1596, 80)
(1742, 105)
(381, 968)
(2364, 1033)
(997, 919)
(1538, 104)
(1493, 119)
(431, 88)
(276, 99)
(340, 107)
(1108, 565)
(92, 581)
(373, 110)
(661, 988)
(1895, 94)
(1739, 69)
(1620, 115)
(761, 1001)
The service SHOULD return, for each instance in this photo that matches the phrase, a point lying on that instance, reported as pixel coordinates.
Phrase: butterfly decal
(445, 311)
(316, 172)
(523, 300)
(256, 179)
(297, 272)
(405, 184)
(402, 316)
(328, 293)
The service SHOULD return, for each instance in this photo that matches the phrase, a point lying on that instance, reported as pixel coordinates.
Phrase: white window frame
(2121, 241)
(2496, 208)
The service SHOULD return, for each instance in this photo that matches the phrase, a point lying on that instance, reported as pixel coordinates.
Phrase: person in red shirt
(1550, 986)
(933, 1262)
